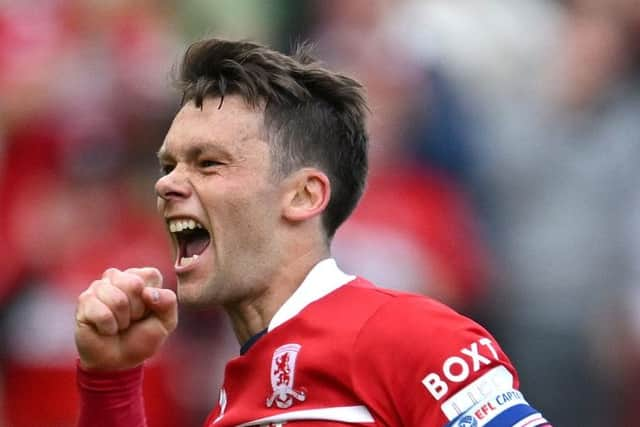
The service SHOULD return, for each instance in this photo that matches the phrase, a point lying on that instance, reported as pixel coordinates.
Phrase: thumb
(163, 303)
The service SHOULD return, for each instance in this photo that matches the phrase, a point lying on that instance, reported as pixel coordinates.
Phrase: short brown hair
(313, 116)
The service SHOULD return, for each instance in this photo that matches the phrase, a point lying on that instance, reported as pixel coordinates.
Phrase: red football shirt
(343, 352)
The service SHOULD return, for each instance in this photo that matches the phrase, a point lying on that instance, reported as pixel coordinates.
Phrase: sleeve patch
(504, 409)
(497, 380)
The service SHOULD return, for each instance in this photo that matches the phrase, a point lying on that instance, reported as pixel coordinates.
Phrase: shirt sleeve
(111, 399)
(417, 362)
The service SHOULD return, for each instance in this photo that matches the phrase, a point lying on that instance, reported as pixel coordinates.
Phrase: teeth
(185, 261)
(177, 225)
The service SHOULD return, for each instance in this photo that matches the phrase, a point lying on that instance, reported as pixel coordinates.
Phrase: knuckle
(126, 281)
(96, 283)
(151, 276)
(133, 282)
(84, 296)
(110, 272)
(113, 298)
(102, 317)
(119, 301)
(132, 270)
(156, 276)
(152, 271)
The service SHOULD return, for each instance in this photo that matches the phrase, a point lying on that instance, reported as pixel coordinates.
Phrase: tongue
(196, 244)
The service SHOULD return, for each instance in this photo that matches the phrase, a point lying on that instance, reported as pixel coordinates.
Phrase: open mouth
(192, 239)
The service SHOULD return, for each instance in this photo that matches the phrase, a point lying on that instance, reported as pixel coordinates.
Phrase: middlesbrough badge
(283, 365)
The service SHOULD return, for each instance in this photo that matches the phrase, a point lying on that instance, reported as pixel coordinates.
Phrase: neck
(253, 315)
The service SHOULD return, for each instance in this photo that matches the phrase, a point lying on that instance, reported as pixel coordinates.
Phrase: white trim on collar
(324, 278)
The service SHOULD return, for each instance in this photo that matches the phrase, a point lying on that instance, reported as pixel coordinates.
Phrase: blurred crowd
(505, 139)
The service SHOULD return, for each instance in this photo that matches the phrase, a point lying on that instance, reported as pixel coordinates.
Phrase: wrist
(110, 398)
(90, 367)
(103, 380)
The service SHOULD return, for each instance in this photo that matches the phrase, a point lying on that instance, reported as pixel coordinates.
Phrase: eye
(165, 169)
(205, 164)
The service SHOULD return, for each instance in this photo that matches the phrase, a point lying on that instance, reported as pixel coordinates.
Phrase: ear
(307, 196)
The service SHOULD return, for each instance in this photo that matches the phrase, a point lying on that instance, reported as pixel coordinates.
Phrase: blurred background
(505, 144)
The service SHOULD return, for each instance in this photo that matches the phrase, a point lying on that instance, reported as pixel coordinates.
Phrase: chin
(190, 294)
(197, 295)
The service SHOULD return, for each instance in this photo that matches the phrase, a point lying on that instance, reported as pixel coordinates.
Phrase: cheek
(254, 221)
(243, 213)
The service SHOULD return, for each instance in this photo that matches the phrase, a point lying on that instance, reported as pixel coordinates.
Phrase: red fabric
(356, 348)
(111, 399)
(53, 388)
(31, 159)
(409, 338)
(347, 355)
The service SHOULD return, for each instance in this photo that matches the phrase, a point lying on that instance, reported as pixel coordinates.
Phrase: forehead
(212, 126)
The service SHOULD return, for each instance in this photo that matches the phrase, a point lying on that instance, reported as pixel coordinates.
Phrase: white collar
(324, 278)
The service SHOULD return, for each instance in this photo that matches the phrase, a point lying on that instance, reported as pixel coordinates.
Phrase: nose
(173, 186)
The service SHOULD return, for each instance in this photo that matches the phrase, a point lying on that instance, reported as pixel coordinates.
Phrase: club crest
(283, 365)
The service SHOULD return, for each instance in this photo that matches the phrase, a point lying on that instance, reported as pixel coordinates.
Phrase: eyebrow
(193, 151)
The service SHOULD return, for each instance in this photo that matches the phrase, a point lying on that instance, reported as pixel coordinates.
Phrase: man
(265, 159)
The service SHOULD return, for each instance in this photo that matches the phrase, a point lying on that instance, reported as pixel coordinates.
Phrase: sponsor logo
(488, 410)
(494, 381)
(283, 367)
(458, 368)
(468, 421)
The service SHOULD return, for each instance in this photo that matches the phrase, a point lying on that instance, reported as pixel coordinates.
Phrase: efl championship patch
(505, 409)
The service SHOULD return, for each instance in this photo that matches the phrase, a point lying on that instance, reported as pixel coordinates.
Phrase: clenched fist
(123, 318)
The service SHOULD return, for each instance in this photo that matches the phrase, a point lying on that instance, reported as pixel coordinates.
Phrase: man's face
(220, 202)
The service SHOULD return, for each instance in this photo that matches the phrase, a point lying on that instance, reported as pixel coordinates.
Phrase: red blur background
(505, 138)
